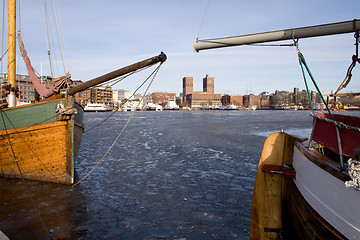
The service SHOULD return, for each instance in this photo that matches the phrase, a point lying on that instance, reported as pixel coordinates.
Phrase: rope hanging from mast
(123, 103)
(303, 64)
(355, 59)
(51, 23)
(154, 73)
(202, 22)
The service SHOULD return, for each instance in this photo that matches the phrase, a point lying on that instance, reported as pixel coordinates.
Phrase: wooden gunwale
(31, 128)
(34, 104)
(322, 161)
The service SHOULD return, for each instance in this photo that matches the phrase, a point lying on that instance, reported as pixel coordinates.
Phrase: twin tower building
(207, 98)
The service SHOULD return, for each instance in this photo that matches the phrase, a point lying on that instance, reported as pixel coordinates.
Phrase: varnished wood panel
(266, 211)
(42, 152)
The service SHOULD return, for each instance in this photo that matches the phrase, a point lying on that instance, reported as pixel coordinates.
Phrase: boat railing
(340, 135)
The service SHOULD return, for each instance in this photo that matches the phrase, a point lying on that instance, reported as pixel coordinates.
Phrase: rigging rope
(120, 78)
(2, 56)
(44, 7)
(202, 22)
(122, 130)
(157, 69)
(302, 63)
(50, 41)
(57, 22)
(2, 42)
(355, 59)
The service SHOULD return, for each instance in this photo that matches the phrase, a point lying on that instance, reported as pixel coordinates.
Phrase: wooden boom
(295, 33)
(117, 73)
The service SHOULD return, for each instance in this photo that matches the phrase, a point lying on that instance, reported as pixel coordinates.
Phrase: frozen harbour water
(171, 175)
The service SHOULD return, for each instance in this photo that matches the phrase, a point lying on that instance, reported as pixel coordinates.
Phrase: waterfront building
(303, 99)
(163, 98)
(265, 100)
(205, 99)
(82, 97)
(208, 84)
(27, 93)
(236, 100)
(251, 101)
(121, 94)
(187, 86)
(102, 95)
(296, 96)
(179, 99)
(26, 89)
(280, 99)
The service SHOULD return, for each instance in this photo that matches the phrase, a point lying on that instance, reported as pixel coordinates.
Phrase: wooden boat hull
(315, 204)
(320, 181)
(40, 146)
(303, 221)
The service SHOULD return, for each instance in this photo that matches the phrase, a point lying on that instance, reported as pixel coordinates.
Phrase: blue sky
(101, 36)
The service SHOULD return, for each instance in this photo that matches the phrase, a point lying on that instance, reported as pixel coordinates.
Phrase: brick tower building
(187, 86)
(208, 84)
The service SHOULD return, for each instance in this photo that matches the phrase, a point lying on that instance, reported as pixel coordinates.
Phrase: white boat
(307, 189)
(154, 107)
(228, 107)
(97, 107)
(171, 105)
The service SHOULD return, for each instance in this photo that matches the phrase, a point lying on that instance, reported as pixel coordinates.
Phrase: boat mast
(295, 33)
(11, 75)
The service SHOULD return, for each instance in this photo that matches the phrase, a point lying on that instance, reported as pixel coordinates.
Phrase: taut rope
(154, 73)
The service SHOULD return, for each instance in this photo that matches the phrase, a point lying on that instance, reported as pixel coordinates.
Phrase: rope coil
(354, 172)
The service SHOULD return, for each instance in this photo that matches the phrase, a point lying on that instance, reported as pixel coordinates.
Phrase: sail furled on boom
(41, 89)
